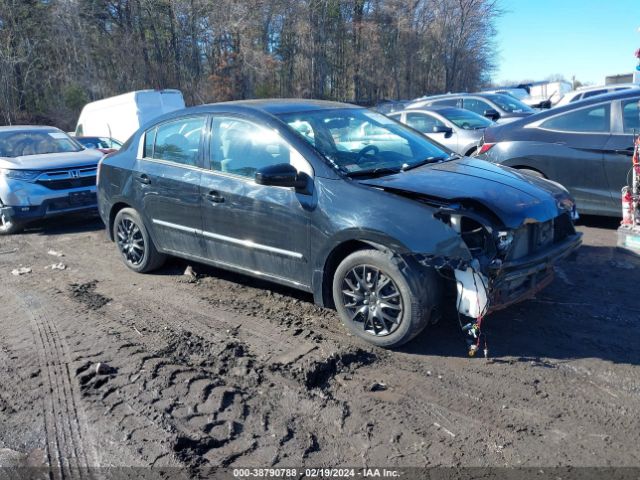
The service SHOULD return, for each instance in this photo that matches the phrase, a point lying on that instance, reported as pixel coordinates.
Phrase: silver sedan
(457, 129)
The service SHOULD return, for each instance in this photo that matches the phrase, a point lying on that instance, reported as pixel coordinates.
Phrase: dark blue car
(368, 215)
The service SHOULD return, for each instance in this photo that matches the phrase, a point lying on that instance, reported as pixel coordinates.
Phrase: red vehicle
(103, 144)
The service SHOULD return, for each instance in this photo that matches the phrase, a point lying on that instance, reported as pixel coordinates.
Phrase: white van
(119, 117)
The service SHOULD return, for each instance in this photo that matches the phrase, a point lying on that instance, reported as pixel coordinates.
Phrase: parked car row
(585, 145)
(376, 216)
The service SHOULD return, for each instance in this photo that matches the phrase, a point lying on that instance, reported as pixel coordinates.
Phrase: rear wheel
(136, 247)
(383, 300)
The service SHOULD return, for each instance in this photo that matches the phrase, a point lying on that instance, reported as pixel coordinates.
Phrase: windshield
(17, 143)
(510, 104)
(466, 119)
(360, 141)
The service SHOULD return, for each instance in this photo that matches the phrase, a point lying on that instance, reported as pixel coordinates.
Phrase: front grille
(87, 200)
(68, 178)
(68, 183)
(535, 237)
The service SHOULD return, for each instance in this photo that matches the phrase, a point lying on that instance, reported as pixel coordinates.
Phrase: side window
(594, 93)
(476, 106)
(179, 141)
(241, 148)
(576, 98)
(449, 102)
(593, 119)
(422, 122)
(149, 140)
(631, 116)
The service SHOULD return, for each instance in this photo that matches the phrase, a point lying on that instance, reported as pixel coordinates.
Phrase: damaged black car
(368, 215)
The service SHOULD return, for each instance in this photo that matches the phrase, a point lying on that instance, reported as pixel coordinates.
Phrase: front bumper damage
(482, 290)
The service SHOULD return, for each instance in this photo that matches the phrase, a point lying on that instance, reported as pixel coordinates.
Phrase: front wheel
(136, 247)
(383, 300)
(8, 226)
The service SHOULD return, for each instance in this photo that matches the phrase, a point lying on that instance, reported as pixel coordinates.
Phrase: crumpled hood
(51, 161)
(512, 196)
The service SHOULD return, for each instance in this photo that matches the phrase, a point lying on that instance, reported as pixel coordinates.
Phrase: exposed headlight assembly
(504, 239)
(26, 175)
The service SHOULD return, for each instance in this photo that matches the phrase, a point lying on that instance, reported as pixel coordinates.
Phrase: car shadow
(77, 223)
(610, 223)
(589, 311)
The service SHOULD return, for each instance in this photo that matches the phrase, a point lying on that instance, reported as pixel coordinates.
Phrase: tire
(534, 173)
(8, 226)
(136, 247)
(412, 291)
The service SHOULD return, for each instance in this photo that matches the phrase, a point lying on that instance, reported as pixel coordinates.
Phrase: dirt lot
(225, 370)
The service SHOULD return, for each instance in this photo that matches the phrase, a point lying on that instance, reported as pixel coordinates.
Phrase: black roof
(276, 106)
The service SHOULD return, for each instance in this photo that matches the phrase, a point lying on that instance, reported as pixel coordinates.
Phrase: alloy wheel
(373, 299)
(130, 241)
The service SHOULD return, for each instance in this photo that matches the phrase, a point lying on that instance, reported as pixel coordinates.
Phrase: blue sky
(586, 38)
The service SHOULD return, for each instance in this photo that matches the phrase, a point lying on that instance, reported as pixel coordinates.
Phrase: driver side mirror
(442, 129)
(491, 113)
(282, 175)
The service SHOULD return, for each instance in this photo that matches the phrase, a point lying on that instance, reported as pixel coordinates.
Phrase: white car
(588, 92)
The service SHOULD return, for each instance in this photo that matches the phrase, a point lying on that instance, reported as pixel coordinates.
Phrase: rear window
(593, 119)
(594, 93)
(449, 102)
(510, 104)
(177, 141)
(631, 116)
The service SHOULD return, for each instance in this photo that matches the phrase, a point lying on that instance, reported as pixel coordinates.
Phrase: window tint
(449, 102)
(241, 148)
(357, 140)
(476, 106)
(179, 141)
(149, 139)
(509, 104)
(593, 93)
(631, 116)
(422, 122)
(592, 119)
(576, 98)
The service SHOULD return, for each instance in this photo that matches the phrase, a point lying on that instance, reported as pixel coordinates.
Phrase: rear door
(263, 230)
(619, 148)
(574, 155)
(168, 181)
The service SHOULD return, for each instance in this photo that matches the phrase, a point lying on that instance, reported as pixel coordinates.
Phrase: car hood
(515, 198)
(51, 161)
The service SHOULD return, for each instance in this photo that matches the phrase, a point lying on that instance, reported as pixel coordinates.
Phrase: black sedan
(368, 215)
(586, 146)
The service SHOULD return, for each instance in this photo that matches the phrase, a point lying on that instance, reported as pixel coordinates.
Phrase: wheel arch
(115, 208)
(323, 287)
(528, 167)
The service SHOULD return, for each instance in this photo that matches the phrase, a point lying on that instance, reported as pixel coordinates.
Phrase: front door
(168, 179)
(263, 230)
(619, 149)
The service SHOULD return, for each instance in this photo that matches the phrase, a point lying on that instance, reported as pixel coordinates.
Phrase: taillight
(485, 148)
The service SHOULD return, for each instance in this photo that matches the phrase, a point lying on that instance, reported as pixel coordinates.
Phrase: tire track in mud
(68, 445)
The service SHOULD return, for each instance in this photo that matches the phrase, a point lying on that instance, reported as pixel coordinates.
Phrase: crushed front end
(508, 264)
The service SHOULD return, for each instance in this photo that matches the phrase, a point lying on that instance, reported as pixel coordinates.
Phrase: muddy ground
(226, 370)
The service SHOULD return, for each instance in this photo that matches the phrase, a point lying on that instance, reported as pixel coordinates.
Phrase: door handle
(214, 197)
(144, 179)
